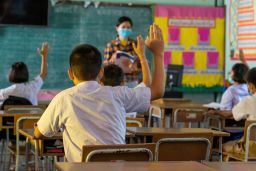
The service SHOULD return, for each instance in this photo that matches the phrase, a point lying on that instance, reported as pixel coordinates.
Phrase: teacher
(123, 43)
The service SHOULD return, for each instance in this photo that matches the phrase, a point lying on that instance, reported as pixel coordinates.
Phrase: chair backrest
(188, 116)
(154, 111)
(250, 138)
(214, 122)
(14, 100)
(124, 152)
(183, 149)
(135, 122)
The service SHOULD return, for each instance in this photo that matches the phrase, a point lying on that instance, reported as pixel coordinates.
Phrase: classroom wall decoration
(243, 28)
(194, 37)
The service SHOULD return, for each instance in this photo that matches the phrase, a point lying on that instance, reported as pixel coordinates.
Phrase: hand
(140, 48)
(43, 52)
(241, 55)
(155, 41)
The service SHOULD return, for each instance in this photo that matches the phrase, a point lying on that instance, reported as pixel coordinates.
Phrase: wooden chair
(248, 138)
(125, 152)
(188, 117)
(183, 149)
(135, 122)
(24, 108)
(156, 112)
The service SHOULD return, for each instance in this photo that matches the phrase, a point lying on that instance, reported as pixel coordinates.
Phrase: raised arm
(155, 43)
(241, 57)
(43, 52)
(140, 51)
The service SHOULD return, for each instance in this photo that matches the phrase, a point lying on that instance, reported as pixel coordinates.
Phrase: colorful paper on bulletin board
(197, 42)
(243, 28)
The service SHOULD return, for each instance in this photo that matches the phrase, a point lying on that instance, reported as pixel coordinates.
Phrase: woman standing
(123, 43)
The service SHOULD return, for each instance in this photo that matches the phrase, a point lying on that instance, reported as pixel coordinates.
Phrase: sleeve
(226, 100)
(134, 100)
(240, 110)
(108, 52)
(36, 84)
(50, 122)
(6, 92)
(141, 85)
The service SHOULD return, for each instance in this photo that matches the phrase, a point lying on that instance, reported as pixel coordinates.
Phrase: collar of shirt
(118, 41)
(89, 84)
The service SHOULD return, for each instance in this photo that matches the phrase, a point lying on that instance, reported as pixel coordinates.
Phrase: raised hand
(43, 51)
(155, 41)
(140, 47)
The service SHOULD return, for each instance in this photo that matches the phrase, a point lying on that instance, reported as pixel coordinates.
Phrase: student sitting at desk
(19, 76)
(90, 114)
(246, 109)
(114, 75)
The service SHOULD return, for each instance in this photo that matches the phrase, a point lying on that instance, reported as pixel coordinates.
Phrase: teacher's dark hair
(85, 62)
(18, 73)
(124, 19)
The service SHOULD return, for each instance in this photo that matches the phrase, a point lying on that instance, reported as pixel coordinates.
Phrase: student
(235, 93)
(114, 75)
(90, 114)
(246, 109)
(19, 77)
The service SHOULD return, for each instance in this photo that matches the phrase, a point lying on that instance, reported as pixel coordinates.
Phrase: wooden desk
(144, 132)
(134, 166)
(39, 145)
(232, 166)
(175, 104)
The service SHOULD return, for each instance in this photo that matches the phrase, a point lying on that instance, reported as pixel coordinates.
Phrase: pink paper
(189, 12)
(212, 59)
(188, 59)
(174, 35)
(204, 35)
(167, 58)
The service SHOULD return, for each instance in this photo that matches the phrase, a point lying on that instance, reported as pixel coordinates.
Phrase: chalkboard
(70, 24)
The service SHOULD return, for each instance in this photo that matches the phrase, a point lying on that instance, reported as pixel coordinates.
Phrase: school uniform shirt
(91, 114)
(246, 109)
(27, 90)
(233, 95)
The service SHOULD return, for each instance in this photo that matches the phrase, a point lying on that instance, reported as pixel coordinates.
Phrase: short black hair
(239, 72)
(124, 19)
(85, 62)
(113, 75)
(19, 73)
(251, 76)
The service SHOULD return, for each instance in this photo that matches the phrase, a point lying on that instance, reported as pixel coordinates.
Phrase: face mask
(230, 80)
(125, 32)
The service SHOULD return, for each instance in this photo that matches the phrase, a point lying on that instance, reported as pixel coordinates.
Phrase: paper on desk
(212, 105)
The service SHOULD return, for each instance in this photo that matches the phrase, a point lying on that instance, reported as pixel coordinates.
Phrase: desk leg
(27, 153)
(36, 155)
(220, 149)
(163, 118)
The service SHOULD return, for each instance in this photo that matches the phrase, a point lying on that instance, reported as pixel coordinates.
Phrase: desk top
(145, 131)
(182, 103)
(30, 134)
(232, 166)
(135, 166)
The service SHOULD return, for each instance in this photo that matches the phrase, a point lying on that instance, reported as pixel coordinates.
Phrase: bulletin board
(243, 29)
(194, 37)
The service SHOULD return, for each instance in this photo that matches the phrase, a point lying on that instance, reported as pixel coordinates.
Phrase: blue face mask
(125, 32)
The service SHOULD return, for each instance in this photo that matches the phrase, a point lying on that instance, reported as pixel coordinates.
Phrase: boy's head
(85, 63)
(251, 80)
(238, 73)
(113, 75)
(18, 73)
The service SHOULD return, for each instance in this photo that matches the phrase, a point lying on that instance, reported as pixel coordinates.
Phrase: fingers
(151, 33)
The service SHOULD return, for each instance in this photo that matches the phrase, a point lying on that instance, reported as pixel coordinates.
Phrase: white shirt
(233, 95)
(27, 90)
(90, 114)
(246, 109)
(134, 114)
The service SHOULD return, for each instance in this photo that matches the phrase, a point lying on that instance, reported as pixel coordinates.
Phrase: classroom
(120, 85)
